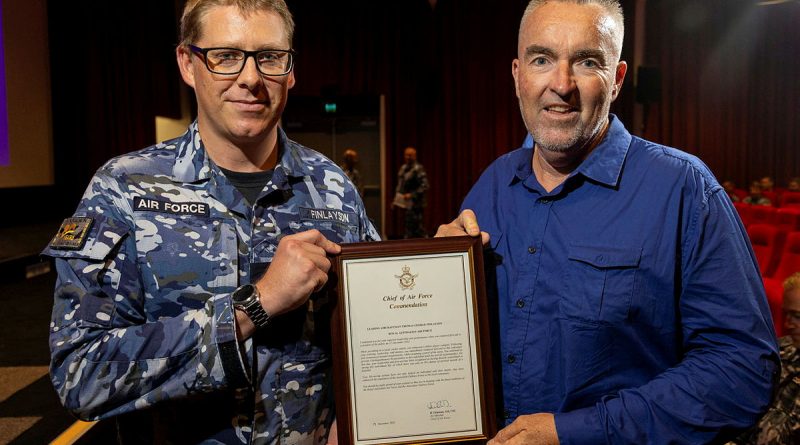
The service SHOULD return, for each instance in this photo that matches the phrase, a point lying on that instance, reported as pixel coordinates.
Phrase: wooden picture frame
(411, 348)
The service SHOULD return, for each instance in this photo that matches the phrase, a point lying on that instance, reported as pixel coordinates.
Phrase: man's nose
(249, 77)
(562, 80)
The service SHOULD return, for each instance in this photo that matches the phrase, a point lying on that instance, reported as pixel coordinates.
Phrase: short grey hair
(611, 7)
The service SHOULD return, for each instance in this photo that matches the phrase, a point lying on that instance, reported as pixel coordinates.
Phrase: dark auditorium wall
(445, 72)
(446, 75)
(113, 70)
(730, 89)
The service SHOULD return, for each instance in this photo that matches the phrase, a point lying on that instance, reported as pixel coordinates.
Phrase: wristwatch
(247, 298)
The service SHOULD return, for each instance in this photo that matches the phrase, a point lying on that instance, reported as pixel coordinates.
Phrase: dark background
(728, 84)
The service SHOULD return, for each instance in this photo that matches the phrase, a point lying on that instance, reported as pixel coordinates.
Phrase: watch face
(241, 294)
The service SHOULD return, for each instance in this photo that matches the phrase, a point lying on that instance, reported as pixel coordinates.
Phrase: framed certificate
(411, 351)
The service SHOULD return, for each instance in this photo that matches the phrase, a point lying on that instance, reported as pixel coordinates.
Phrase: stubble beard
(558, 140)
(561, 139)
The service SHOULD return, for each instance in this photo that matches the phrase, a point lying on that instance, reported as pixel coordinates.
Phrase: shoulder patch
(72, 234)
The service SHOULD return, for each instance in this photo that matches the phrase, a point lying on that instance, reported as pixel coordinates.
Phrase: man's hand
(465, 224)
(333, 434)
(300, 266)
(530, 429)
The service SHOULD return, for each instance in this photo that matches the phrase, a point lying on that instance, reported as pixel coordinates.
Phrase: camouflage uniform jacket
(780, 425)
(413, 179)
(142, 323)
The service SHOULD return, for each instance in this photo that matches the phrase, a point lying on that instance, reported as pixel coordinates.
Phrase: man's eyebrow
(536, 50)
(590, 54)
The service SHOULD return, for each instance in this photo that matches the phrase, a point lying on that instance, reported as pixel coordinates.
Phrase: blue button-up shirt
(629, 300)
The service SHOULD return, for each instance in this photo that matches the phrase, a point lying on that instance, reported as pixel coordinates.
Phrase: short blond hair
(792, 283)
(195, 10)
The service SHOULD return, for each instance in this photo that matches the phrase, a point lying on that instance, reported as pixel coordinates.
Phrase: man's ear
(515, 74)
(290, 80)
(183, 55)
(619, 77)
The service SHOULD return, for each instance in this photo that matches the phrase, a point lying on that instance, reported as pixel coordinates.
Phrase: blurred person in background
(780, 425)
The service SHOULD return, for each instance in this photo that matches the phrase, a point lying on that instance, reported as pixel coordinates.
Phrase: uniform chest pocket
(185, 259)
(338, 226)
(600, 282)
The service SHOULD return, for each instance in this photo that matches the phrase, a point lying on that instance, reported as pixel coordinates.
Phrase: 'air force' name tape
(176, 208)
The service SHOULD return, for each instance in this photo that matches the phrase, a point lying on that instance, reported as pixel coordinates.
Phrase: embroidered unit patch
(72, 234)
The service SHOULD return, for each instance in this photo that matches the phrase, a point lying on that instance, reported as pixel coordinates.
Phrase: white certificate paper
(414, 370)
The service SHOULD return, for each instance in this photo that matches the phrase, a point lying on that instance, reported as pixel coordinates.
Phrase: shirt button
(520, 303)
(511, 358)
(531, 249)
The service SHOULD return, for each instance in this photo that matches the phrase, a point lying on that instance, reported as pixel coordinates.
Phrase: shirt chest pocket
(600, 282)
(185, 259)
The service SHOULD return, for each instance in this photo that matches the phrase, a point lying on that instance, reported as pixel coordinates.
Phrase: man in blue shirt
(630, 305)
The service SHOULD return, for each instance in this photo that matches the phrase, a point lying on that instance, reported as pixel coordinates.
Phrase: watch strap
(251, 305)
(257, 314)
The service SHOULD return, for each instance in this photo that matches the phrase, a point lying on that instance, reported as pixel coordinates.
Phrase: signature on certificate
(444, 403)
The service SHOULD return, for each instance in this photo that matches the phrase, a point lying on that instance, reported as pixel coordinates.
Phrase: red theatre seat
(774, 291)
(744, 212)
(764, 238)
(772, 196)
(789, 259)
(790, 199)
(789, 264)
(762, 214)
(788, 219)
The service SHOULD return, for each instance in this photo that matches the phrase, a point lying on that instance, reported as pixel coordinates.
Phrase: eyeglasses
(229, 61)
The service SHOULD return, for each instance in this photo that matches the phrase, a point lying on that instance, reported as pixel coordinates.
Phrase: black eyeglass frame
(247, 54)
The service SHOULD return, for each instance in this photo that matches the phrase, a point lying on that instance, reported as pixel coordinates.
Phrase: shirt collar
(192, 163)
(603, 165)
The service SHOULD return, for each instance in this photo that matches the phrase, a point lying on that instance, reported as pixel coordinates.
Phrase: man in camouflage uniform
(780, 425)
(349, 168)
(155, 320)
(412, 185)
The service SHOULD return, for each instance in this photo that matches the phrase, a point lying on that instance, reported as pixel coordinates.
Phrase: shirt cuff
(230, 356)
(580, 427)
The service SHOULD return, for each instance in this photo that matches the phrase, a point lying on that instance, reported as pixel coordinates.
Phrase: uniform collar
(192, 163)
(604, 164)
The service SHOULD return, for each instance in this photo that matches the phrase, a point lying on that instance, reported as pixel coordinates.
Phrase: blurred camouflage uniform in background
(412, 179)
